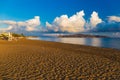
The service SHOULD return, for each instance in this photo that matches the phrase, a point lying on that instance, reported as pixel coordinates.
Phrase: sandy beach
(43, 60)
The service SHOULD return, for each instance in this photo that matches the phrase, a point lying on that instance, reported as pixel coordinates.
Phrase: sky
(59, 15)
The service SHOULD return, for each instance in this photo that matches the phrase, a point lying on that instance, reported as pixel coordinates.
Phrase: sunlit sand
(42, 60)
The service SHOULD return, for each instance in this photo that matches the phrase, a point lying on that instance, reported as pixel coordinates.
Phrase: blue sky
(48, 10)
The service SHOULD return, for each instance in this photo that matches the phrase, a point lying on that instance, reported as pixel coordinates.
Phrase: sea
(112, 42)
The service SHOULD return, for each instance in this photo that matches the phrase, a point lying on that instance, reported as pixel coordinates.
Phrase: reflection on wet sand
(98, 42)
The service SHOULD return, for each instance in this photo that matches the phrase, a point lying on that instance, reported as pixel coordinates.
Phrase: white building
(10, 37)
(6, 36)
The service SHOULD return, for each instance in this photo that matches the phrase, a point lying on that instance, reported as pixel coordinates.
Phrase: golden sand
(42, 60)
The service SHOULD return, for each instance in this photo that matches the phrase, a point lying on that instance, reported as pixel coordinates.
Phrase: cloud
(75, 23)
(114, 18)
(111, 25)
(107, 27)
(49, 26)
(8, 22)
(29, 25)
(64, 23)
(6, 29)
(32, 23)
(94, 20)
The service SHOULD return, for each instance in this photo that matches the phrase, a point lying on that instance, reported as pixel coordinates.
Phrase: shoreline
(38, 38)
(27, 39)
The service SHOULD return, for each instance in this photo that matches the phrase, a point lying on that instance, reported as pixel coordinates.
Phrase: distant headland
(84, 36)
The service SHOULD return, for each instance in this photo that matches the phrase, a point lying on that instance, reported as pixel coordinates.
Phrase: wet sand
(43, 60)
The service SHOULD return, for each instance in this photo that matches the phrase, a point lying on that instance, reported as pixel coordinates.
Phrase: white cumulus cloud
(6, 29)
(75, 23)
(64, 23)
(94, 20)
(114, 18)
(8, 22)
(32, 23)
(29, 25)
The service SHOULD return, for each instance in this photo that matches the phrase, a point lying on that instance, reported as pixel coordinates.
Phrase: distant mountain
(84, 36)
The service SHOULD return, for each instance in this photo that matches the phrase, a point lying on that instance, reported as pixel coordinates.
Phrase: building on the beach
(6, 36)
(10, 37)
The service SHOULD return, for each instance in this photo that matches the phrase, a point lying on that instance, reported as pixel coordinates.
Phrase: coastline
(36, 59)
(83, 36)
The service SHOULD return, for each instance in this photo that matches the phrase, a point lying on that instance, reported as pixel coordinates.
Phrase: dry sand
(42, 60)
